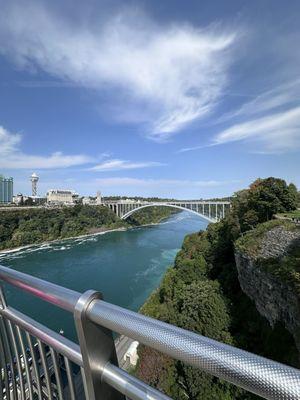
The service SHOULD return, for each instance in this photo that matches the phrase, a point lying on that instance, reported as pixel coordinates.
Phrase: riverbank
(102, 232)
(23, 228)
(88, 235)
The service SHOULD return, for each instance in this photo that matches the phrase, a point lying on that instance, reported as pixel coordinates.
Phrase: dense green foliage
(23, 226)
(30, 226)
(202, 293)
(150, 215)
(188, 299)
(264, 199)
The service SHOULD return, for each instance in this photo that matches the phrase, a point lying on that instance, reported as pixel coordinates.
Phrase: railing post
(97, 348)
(2, 298)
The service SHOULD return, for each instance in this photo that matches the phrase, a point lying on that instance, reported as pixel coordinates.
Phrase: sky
(191, 99)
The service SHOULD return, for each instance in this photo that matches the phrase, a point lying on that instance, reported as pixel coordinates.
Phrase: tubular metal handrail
(256, 374)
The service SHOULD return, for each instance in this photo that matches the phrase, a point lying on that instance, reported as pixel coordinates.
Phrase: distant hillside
(25, 226)
(29, 226)
(151, 215)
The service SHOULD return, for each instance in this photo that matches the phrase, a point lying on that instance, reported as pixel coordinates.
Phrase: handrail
(50, 292)
(256, 374)
(112, 375)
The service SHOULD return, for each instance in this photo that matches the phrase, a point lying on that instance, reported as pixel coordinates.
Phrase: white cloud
(11, 157)
(280, 96)
(275, 123)
(118, 165)
(159, 183)
(274, 133)
(8, 141)
(173, 74)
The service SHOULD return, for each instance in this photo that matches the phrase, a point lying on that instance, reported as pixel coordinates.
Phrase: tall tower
(34, 180)
(99, 198)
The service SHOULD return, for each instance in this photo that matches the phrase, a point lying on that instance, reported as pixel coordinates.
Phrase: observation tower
(34, 180)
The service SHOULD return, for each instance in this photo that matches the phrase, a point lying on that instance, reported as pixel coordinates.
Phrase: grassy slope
(290, 214)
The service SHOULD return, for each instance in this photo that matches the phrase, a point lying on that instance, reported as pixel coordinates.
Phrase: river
(126, 266)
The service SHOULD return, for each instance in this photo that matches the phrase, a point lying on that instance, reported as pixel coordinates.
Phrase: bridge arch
(129, 213)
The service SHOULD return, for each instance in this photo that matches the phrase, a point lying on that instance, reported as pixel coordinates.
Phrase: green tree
(263, 199)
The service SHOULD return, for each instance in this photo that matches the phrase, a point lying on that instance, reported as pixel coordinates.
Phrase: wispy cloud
(278, 97)
(271, 120)
(118, 165)
(175, 74)
(193, 148)
(275, 133)
(11, 156)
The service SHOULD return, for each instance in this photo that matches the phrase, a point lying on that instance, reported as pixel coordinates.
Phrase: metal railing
(37, 362)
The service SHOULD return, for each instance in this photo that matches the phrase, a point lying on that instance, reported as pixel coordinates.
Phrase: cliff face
(268, 271)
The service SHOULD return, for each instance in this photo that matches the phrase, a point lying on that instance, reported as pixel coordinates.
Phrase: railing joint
(97, 348)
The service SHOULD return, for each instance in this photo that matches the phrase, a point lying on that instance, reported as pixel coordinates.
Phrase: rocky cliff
(268, 264)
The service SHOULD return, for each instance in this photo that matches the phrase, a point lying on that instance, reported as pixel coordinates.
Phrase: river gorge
(126, 266)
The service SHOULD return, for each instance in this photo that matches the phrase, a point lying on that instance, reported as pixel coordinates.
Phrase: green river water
(125, 266)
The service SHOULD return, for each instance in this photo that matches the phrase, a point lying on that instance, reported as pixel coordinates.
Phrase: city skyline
(161, 100)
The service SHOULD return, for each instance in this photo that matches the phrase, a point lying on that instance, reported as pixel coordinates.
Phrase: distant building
(6, 190)
(99, 198)
(19, 199)
(61, 197)
(87, 200)
(92, 201)
(38, 200)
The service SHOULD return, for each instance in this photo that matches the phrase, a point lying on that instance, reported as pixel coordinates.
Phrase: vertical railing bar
(19, 365)
(5, 370)
(1, 382)
(57, 373)
(84, 383)
(9, 356)
(70, 378)
(25, 360)
(45, 368)
(35, 366)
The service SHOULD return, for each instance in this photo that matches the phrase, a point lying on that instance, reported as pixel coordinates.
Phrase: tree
(264, 199)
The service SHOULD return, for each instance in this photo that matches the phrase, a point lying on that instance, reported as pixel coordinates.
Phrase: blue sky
(177, 99)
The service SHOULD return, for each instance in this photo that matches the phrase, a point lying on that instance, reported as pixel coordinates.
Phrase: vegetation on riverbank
(31, 226)
(22, 227)
(202, 293)
(151, 215)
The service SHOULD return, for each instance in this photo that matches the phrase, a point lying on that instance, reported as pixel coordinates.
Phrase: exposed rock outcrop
(275, 298)
(277, 241)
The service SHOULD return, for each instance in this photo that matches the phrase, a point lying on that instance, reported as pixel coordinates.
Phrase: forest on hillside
(201, 293)
(30, 226)
(23, 226)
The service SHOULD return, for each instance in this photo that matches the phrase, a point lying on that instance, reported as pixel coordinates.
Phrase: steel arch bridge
(212, 211)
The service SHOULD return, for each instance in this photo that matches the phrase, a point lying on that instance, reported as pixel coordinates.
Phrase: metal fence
(38, 363)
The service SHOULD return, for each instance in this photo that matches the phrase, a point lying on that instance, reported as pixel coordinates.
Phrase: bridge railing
(36, 361)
